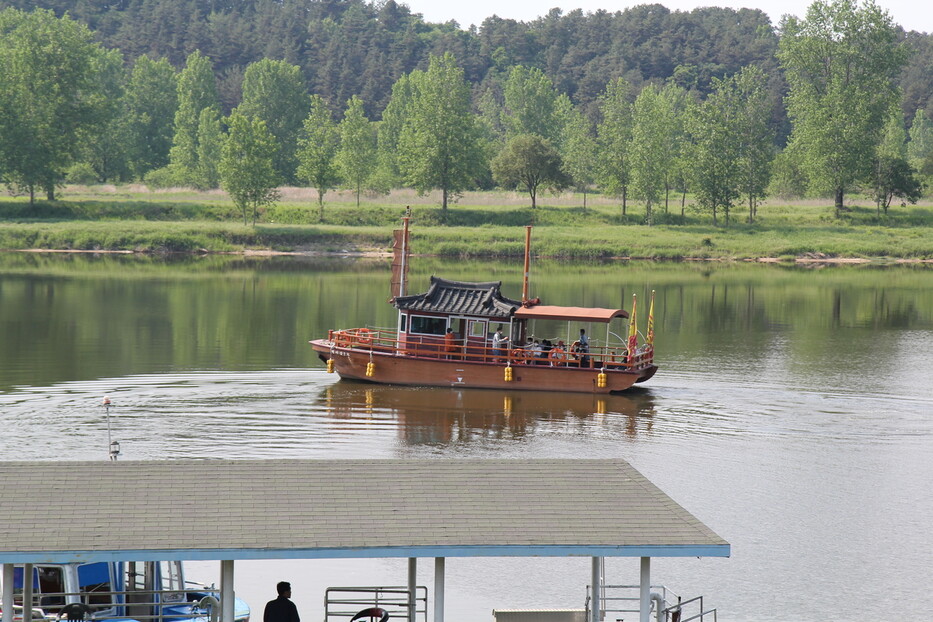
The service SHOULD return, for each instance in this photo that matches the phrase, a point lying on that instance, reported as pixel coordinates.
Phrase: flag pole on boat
(402, 283)
(527, 262)
(399, 260)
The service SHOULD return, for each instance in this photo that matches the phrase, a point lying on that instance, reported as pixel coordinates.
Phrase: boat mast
(527, 258)
(401, 285)
(399, 260)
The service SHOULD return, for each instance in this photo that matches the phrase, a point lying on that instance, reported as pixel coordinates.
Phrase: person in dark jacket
(281, 609)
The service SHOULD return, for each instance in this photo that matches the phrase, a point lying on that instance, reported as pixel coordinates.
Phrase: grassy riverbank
(481, 224)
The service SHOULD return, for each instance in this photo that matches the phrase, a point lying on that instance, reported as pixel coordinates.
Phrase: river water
(793, 412)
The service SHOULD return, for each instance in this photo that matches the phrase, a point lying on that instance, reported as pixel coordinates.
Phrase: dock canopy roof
(461, 298)
(304, 509)
(582, 314)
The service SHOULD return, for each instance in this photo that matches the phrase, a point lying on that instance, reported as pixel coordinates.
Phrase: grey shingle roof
(240, 509)
(461, 298)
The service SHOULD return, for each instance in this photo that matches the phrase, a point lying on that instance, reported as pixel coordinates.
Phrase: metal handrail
(393, 599)
(666, 596)
(701, 615)
(114, 596)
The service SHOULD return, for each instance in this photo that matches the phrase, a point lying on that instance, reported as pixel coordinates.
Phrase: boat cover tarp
(582, 314)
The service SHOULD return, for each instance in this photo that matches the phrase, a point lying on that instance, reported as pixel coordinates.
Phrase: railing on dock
(610, 357)
(141, 605)
(616, 600)
(342, 603)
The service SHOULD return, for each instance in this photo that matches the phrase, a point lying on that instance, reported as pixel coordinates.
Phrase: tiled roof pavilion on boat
(461, 298)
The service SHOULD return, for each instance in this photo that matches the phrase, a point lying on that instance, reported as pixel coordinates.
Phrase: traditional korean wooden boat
(447, 336)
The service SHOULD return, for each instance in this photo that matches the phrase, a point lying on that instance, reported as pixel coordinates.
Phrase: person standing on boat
(450, 343)
(281, 609)
(499, 342)
(583, 347)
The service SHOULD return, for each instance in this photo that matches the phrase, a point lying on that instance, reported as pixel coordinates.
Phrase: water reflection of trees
(427, 416)
(77, 317)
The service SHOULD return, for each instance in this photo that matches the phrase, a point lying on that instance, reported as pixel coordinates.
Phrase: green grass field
(479, 224)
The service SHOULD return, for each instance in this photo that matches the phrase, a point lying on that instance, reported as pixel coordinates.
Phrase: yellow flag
(650, 339)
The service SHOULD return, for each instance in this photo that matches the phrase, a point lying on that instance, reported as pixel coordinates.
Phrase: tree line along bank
(80, 114)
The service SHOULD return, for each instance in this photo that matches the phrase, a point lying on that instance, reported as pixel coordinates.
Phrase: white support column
(595, 589)
(439, 589)
(7, 604)
(27, 591)
(227, 594)
(645, 590)
(412, 588)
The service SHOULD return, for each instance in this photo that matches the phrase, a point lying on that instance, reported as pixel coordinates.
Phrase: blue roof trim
(367, 553)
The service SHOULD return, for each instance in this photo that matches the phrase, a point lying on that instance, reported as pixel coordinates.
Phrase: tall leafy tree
(577, 147)
(652, 148)
(530, 104)
(104, 147)
(210, 145)
(274, 91)
(387, 175)
(921, 139)
(356, 156)
(247, 169)
(439, 145)
(893, 175)
(317, 151)
(683, 104)
(52, 90)
(529, 162)
(842, 63)
(756, 139)
(197, 90)
(716, 149)
(614, 138)
(149, 105)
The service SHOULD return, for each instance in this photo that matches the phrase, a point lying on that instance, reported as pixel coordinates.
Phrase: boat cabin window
(48, 586)
(402, 323)
(424, 325)
(478, 329)
(94, 583)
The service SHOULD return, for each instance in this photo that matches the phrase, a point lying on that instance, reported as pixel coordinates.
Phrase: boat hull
(393, 368)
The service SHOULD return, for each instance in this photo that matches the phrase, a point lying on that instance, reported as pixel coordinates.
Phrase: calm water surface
(793, 412)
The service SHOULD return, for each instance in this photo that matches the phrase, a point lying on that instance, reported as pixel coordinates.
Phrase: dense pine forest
(645, 103)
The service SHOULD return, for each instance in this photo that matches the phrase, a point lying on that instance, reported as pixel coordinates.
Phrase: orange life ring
(518, 355)
(364, 337)
(557, 355)
(342, 339)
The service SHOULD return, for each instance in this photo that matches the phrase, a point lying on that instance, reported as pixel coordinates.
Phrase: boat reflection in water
(432, 415)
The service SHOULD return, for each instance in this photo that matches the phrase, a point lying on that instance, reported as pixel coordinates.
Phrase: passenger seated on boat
(581, 348)
(558, 355)
(537, 352)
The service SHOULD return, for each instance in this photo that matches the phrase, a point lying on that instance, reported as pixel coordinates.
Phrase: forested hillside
(355, 47)
(646, 100)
